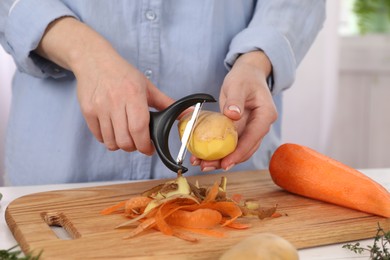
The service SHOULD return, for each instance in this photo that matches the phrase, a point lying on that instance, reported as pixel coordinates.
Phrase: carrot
(226, 208)
(236, 198)
(200, 218)
(234, 224)
(145, 225)
(276, 215)
(301, 170)
(136, 204)
(205, 231)
(212, 194)
(200, 212)
(185, 237)
(188, 215)
(165, 211)
(117, 208)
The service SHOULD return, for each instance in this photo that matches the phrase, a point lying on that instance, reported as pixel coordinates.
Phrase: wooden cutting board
(306, 222)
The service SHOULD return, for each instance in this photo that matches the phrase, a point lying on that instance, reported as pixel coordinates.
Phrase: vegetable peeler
(161, 123)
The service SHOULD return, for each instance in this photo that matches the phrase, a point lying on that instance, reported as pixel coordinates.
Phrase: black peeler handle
(161, 123)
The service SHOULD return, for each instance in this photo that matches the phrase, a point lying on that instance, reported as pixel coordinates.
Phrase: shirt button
(150, 15)
(148, 73)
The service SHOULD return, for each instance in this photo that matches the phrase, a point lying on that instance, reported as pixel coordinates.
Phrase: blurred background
(339, 100)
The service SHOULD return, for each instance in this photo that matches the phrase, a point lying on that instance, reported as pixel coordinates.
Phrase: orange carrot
(163, 226)
(117, 208)
(200, 218)
(185, 237)
(301, 170)
(212, 194)
(188, 215)
(226, 208)
(199, 213)
(236, 198)
(276, 215)
(164, 211)
(205, 231)
(234, 224)
(136, 204)
(145, 225)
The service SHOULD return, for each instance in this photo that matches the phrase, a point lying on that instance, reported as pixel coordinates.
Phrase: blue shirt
(183, 47)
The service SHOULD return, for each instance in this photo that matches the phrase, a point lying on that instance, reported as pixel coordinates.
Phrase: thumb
(234, 105)
(158, 99)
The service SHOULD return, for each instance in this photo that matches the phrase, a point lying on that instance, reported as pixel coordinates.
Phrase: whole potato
(214, 135)
(264, 246)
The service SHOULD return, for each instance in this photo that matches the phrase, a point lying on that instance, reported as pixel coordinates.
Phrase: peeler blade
(187, 133)
(160, 126)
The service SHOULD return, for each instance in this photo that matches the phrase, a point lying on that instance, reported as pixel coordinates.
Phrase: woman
(89, 71)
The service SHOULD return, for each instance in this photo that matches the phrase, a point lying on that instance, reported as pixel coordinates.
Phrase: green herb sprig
(379, 250)
(12, 254)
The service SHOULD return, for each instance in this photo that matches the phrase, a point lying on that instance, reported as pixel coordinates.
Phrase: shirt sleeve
(22, 25)
(284, 30)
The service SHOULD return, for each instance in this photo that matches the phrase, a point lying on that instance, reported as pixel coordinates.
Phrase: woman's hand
(114, 96)
(245, 98)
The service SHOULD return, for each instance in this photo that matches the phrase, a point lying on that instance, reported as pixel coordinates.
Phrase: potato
(264, 246)
(214, 135)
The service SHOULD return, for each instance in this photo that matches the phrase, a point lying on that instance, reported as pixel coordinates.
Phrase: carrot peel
(171, 211)
(115, 208)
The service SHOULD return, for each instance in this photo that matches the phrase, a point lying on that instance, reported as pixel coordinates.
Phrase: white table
(324, 252)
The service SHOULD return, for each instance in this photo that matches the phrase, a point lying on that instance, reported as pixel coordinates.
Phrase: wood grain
(307, 222)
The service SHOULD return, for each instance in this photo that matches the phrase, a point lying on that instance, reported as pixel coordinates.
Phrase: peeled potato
(214, 135)
(264, 246)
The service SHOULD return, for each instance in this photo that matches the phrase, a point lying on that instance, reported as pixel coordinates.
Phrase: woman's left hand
(245, 98)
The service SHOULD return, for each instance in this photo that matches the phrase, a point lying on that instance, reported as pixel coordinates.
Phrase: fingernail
(196, 162)
(229, 167)
(234, 108)
(208, 169)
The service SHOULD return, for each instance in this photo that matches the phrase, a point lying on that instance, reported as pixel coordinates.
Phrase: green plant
(12, 254)
(373, 16)
(379, 250)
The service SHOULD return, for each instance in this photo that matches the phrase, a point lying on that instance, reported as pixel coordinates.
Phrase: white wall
(7, 69)
(309, 103)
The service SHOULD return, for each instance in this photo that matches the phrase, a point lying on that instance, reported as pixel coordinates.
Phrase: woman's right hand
(114, 96)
